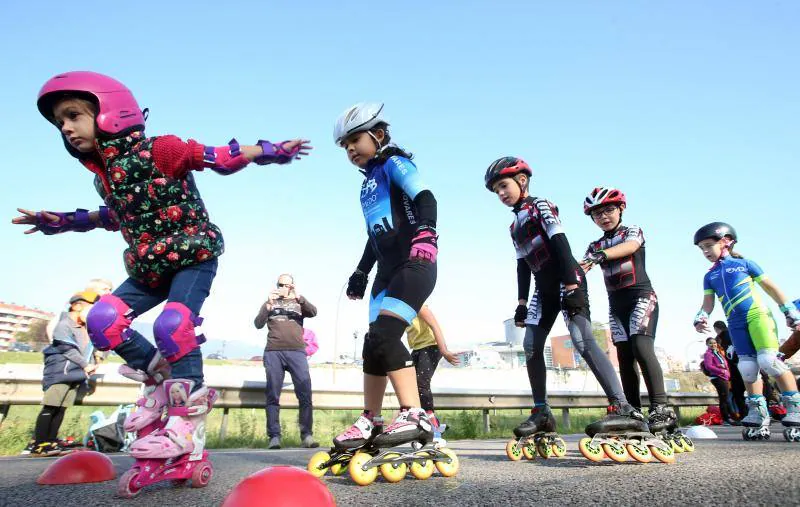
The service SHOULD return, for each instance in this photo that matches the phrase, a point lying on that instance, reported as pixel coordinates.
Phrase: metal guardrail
(250, 394)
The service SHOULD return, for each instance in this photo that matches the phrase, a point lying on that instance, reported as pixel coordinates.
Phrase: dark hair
(735, 255)
(721, 325)
(55, 98)
(390, 151)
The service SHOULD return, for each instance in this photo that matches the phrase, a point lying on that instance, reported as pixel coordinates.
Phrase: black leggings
(722, 393)
(48, 423)
(425, 361)
(640, 350)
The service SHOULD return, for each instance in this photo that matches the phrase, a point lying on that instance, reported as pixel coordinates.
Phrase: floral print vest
(163, 219)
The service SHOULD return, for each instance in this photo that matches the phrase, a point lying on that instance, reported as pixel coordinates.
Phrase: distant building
(18, 319)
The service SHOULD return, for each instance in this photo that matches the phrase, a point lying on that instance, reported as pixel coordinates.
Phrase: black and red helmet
(601, 196)
(506, 167)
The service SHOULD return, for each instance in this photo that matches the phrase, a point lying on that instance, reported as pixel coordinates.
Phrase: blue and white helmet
(358, 118)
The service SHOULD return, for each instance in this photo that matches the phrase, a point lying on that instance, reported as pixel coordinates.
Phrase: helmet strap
(523, 192)
(377, 143)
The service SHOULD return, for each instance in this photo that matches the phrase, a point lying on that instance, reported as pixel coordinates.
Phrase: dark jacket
(70, 352)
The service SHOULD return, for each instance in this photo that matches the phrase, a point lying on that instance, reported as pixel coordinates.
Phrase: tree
(599, 333)
(36, 335)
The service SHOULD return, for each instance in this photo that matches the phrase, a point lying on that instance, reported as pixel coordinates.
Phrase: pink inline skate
(175, 452)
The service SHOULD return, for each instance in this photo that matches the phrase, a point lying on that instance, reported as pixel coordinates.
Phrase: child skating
(428, 347)
(150, 196)
(754, 334)
(543, 250)
(400, 214)
(633, 308)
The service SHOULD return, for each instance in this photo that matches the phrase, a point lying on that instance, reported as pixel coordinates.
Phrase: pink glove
(424, 245)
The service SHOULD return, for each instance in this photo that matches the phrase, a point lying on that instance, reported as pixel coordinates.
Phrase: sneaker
(411, 425)
(274, 443)
(45, 450)
(357, 434)
(28, 448)
(309, 443)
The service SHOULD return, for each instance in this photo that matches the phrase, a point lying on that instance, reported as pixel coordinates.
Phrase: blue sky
(690, 108)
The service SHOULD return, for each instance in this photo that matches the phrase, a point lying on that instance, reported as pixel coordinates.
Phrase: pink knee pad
(109, 321)
(174, 331)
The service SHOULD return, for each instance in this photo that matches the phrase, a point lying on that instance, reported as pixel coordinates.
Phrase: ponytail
(735, 255)
(388, 149)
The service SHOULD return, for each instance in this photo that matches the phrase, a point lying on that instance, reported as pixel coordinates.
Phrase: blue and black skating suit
(750, 321)
(392, 197)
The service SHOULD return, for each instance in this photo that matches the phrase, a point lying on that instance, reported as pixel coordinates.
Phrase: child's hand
(301, 145)
(586, 266)
(29, 218)
(450, 357)
(90, 368)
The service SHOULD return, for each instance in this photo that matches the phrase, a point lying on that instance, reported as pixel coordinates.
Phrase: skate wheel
(687, 443)
(529, 451)
(616, 451)
(513, 451)
(202, 475)
(338, 469)
(664, 454)
(639, 452)
(422, 470)
(125, 486)
(591, 452)
(559, 447)
(449, 466)
(395, 471)
(360, 472)
(746, 434)
(544, 450)
(676, 445)
(765, 435)
(315, 464)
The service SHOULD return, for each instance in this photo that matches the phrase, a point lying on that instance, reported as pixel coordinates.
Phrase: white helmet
(358, 118)
(700, 432)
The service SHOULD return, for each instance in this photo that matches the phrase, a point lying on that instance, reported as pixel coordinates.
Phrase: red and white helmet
(601, 196)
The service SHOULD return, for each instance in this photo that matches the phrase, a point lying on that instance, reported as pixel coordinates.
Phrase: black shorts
(545, 303)
(404, 291)
(637, 314)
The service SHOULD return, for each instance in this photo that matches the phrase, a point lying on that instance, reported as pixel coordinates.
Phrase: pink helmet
(601, 196)
(118, 112)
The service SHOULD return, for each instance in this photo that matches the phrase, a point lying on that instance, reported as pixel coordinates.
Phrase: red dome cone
(280, 486)
(77, 468)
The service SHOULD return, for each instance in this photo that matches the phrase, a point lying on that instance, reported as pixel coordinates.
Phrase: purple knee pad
(108, 322)
(174, 331)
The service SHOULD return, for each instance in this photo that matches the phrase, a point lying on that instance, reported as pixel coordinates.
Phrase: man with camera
(283, 313)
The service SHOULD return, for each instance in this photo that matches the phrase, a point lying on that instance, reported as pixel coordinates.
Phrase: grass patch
(247, 427)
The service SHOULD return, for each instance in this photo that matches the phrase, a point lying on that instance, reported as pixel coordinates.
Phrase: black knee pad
(372, 364)
(386, 335)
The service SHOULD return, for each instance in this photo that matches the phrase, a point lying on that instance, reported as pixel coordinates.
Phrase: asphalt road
(720, 472)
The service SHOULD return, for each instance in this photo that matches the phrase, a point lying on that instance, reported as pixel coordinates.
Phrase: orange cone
(77, 468)
(280, 486)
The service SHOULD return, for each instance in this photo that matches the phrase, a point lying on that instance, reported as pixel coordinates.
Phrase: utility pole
(355, 344)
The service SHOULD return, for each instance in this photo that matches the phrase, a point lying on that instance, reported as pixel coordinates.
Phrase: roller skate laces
(356, 434)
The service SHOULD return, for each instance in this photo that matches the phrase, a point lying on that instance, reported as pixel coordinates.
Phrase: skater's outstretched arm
(55, 222)
(176, 158)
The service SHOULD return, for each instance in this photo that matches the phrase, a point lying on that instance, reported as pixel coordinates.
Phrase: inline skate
(537, 434)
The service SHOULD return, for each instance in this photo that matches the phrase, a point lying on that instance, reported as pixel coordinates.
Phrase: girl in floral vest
(151, 197)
